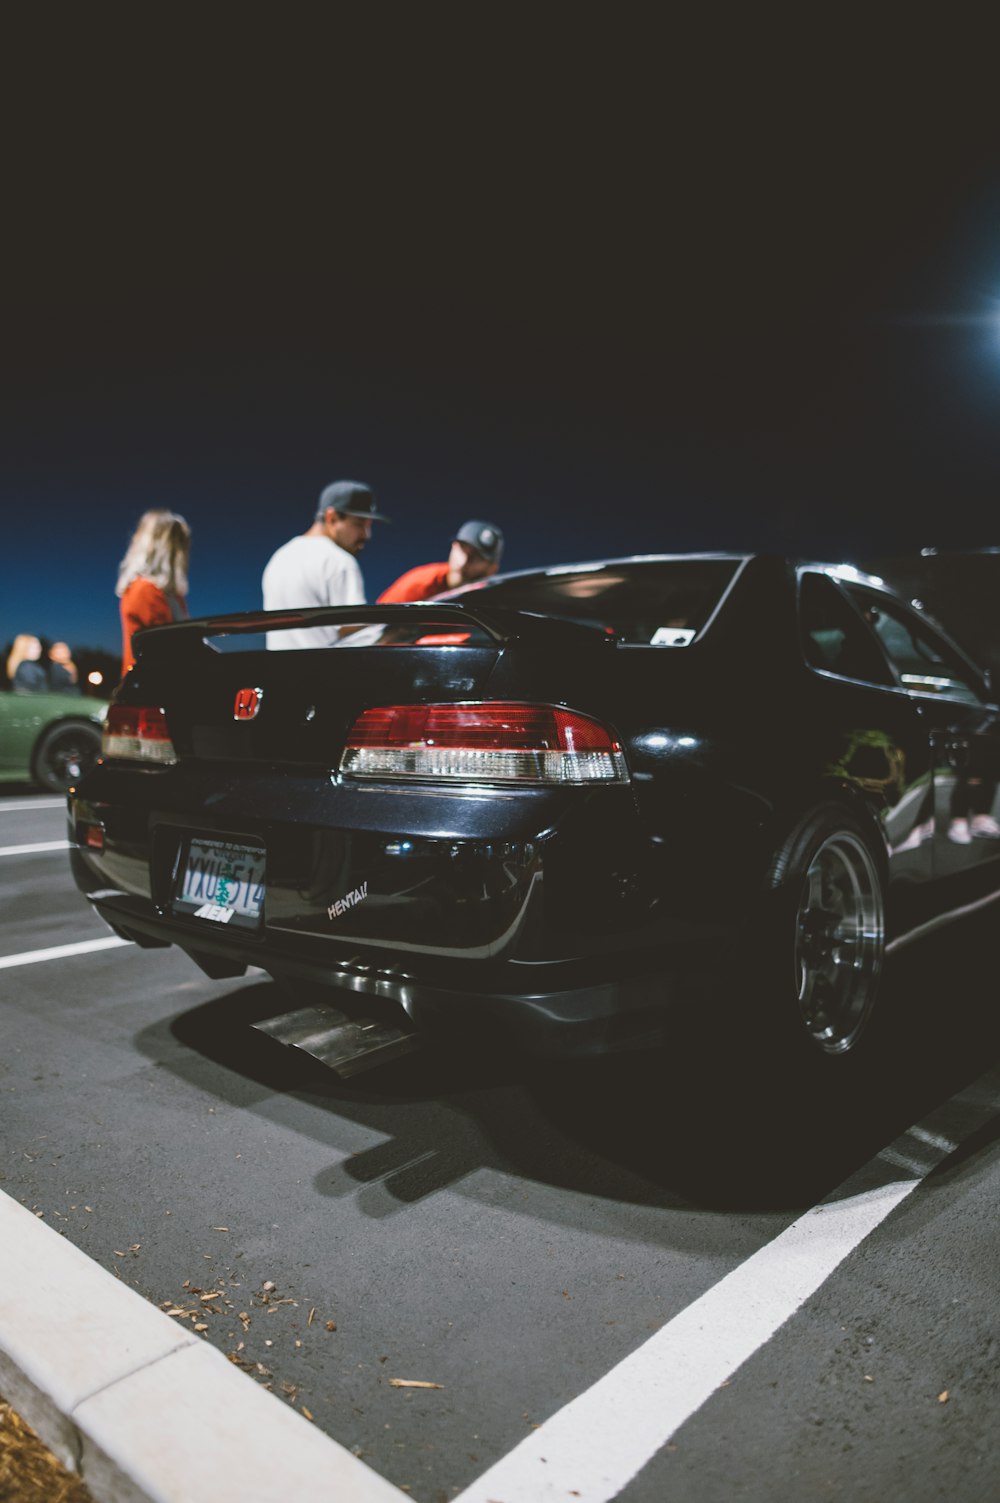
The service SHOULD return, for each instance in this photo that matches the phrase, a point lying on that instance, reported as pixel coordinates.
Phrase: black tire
(825, 935)
(65, 752)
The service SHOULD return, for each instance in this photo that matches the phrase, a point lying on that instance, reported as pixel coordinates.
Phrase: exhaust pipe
(345, 1045)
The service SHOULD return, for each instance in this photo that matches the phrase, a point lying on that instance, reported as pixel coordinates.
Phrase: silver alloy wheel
(839, 941)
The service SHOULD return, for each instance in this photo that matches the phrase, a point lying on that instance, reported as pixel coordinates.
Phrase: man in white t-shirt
(320, 567)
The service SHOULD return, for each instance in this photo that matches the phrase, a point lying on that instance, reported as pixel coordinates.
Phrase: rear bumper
(569, 1008)
(540, 913)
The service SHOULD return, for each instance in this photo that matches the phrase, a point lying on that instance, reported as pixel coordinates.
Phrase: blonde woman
(153, 576)
(25, 670)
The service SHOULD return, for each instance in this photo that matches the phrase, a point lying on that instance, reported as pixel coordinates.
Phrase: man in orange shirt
(475, 554)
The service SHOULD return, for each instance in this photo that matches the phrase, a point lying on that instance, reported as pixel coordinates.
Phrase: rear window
(650, 603)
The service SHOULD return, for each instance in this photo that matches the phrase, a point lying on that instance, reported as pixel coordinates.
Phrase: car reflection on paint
(562, 804)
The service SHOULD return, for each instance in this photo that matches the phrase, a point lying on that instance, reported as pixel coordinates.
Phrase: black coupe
(563, 803)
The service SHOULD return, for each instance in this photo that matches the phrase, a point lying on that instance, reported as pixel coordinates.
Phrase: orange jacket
(143, 604)
(417, 584)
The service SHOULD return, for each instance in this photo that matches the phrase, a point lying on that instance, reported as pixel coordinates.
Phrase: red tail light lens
(90, 835)
(137, 733)
(494, 743)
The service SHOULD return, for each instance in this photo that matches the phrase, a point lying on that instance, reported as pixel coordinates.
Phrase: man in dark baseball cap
(349, 498)
(320, 567)
(476, 551)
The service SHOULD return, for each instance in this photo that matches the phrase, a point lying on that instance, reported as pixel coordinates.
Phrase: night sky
(614, 287)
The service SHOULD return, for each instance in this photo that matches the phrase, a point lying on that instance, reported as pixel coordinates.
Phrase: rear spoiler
(501, 626)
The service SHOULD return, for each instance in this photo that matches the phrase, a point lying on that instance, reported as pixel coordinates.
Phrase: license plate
(222, 882)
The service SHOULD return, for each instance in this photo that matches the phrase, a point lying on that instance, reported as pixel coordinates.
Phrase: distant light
(95, 678)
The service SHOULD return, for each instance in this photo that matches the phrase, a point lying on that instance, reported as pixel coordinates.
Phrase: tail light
(90, 835)
(137, 733)
(492, 743)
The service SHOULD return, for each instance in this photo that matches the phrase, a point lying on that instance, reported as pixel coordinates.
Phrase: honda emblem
(247, 704)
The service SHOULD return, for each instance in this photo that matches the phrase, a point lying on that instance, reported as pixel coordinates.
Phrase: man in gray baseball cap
(320, 567)
(475, 553)
(348, 498)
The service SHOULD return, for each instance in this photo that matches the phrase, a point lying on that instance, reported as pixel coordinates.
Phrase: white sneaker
(959, 832)
(916, 837)
(985, 826)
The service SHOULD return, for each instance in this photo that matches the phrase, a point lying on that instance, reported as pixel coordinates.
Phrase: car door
(887, 753)
(21, 719)
(963, 727)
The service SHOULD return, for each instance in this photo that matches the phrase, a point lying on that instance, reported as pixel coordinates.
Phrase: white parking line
(55, 802)
(595, 1445)
(27, 850)
(60, 952)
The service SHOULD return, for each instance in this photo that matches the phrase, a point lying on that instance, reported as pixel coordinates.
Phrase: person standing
(475, 554)
(25, 669)
(64, 676)
(153, 576)
(320, 567)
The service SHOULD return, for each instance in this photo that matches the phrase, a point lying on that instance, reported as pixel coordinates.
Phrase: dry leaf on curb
(305, 1412)
(201, 1325)
(943, 1397)
(412, 1383)
(269, 1284)
(215, 1294)
(331, 1325)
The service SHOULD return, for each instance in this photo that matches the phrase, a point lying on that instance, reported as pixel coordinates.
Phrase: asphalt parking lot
(613, 1279)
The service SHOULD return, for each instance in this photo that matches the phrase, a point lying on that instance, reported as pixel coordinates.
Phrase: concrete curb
(144, 1411)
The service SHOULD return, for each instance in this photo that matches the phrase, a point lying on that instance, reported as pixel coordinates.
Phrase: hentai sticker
(349, 900)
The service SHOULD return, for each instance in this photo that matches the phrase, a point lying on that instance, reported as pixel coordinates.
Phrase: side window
(924, 662)
(834, 637)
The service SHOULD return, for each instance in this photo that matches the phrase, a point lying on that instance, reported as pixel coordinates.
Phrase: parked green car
(51, 739)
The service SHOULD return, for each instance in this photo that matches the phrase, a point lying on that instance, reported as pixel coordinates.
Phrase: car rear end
(438, 813)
